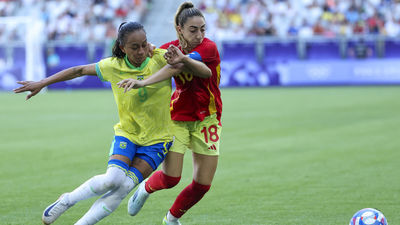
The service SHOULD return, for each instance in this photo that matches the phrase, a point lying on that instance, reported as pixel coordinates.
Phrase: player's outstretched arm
(163, 74)
(197, 68)
(129, 84)
(68, 74)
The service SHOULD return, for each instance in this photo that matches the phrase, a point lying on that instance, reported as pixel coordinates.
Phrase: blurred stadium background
(308, 155)
(262, 42)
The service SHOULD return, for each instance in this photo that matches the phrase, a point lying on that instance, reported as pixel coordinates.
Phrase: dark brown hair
(124, 29)
(185, 11)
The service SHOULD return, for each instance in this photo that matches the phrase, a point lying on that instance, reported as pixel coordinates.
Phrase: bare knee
(204, 168)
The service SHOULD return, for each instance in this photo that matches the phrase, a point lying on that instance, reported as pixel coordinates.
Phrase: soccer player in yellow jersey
(142, 137)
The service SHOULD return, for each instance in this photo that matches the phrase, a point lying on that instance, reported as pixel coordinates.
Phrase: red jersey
(196, 98)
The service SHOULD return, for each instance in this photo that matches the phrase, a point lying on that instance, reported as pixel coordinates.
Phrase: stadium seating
(322, 50)
(257, 59)
(392, 49)
(280, 51)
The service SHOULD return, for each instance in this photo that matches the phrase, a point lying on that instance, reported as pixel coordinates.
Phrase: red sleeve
(207, 50)
(166, 45)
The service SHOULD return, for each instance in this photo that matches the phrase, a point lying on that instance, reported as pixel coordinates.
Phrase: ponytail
(185, 11)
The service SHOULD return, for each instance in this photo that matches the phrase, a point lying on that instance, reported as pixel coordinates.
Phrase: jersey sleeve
(158, 56)
(104, 69)
(166, 45)
(206, 52)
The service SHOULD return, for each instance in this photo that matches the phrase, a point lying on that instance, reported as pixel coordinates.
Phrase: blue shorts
(153, 154)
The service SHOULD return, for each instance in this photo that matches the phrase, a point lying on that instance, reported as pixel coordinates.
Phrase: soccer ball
(368, 216)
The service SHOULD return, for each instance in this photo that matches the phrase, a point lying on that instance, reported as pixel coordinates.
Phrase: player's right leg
(110, 201)
(53, 211)
(95, 186)
(118, 165)
(169, 219)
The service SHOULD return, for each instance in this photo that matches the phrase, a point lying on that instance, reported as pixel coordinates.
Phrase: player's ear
(122, 48)
(179, 29)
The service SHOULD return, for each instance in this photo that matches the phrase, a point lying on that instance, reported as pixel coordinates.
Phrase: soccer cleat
(167, 222)
(52, 212)
(137, 200)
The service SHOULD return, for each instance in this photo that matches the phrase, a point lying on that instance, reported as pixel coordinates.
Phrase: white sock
(105, 205)
(170, 217)
(97, 185)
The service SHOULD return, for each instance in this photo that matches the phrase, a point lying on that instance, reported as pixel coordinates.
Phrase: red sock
(159, 181)
(188, 198)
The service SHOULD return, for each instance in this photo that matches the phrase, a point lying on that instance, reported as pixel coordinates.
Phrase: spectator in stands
(293, 30)
(359, 27)
(375, 24)
(345, 29)
(360, 50)
(318, 29)
(392, 27)
(352, 14)
(305, 30)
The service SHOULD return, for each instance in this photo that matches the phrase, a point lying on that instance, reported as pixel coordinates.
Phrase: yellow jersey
(143, 113)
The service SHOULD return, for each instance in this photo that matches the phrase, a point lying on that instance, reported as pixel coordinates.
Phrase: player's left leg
(204, 170)
(205, 139)
(154, 155)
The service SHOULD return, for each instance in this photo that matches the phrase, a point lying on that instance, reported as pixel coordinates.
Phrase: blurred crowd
(92, 20)
(301, 18)
(73, 20)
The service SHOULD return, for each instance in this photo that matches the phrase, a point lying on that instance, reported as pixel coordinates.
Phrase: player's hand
(33, 86)
(130, 83)
(174, 55)
(151, 49)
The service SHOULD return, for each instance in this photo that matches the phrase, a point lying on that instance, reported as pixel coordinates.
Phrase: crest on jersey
(122, 145)
(140, 77)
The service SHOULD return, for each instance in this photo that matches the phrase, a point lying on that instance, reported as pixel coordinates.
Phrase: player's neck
(187, 50)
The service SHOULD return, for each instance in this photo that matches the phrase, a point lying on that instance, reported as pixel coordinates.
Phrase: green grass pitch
(311, 156)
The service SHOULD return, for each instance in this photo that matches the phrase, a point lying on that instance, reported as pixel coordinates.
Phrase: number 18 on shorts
(201, 137)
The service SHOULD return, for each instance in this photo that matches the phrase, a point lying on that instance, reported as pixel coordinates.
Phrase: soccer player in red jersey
(196, 108)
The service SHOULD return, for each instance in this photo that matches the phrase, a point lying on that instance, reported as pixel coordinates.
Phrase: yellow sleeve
(104, 68)
(158, 56)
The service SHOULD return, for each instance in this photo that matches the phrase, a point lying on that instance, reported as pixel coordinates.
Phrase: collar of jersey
(134, 67)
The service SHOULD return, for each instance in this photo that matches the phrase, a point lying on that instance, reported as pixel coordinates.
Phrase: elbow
(78, 71)
(207, 73)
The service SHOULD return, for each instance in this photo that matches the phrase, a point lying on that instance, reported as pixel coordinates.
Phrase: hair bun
(187, 5)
